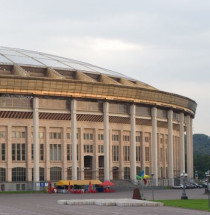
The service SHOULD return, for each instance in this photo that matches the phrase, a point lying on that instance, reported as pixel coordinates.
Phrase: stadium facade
(65, 119)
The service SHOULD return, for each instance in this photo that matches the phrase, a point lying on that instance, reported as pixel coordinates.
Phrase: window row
(19, 174)
(115, 137)
(18, 134)
(19, 152)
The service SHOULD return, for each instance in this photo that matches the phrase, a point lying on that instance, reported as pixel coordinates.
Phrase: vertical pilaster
(64, 154)
(191, 157)
(81, 154)
(110, 157)
(36, 138)
(189, 148)
(164, 157)
(95, 154)
(170, 148)
(74, 138)
(9, 153)
(142, 152)
(182, 145)
(47, 154)
(28, 153)
(154, 146)
(106, 141)
(121, 155)
(133, 143)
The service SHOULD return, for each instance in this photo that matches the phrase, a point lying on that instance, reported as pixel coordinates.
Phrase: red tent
(107, 183)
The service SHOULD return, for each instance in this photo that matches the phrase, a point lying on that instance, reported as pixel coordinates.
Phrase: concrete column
(82, 169)
(74, 138)
(106, 141)
(142, 152)
(121, 176)
(133, 143)
(28, 153)
(9, 154)
(170, 148)
(36, 138)
(64, 154)
(154, 147)
(182, 145)
(95, 154)
(47, 154)
(164, 157)
(191, 135)
(110, 157)
(189, 148)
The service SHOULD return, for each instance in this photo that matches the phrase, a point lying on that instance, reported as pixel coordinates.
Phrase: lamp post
(184, 176)
(207, 173)
(153, 195)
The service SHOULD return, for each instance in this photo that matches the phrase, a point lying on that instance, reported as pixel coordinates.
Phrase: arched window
(126, 172)
(2, 174)
(18, 174)
(55, 173)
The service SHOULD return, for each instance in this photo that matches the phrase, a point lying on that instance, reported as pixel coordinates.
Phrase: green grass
(197, 204)
(21, 192)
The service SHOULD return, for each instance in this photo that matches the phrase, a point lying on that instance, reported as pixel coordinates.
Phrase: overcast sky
(164, 43)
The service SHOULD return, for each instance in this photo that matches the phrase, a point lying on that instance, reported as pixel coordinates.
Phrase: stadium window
(115, 153)
(146, 153)
(138, 138)
(18, 152)
(126, 138)
(55, 152)
(69, 149)
(146, 139)
(55, 173)
(115, 137)
(100, 148)
(2, 134)
(88, 148)
(126, 153)
(138, 153)
(100, 137)
(68, 135)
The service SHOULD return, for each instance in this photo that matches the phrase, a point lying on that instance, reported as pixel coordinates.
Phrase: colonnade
(154, 148)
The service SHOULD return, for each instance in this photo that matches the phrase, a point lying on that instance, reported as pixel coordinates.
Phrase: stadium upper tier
(34, 73)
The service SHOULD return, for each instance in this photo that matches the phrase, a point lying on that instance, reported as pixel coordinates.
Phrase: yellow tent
(77, 182)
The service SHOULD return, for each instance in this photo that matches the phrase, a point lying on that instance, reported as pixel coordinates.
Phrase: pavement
(46, 204)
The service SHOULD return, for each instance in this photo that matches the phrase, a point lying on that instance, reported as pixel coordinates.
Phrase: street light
(184, 176)
(207, 173)
(153, 195)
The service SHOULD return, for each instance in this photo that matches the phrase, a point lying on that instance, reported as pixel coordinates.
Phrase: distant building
(66, 119)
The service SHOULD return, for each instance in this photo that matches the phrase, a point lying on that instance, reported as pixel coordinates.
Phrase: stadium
(63, 119)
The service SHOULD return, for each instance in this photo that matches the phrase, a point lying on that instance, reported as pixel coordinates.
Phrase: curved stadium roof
(36, 73)
(23, 57)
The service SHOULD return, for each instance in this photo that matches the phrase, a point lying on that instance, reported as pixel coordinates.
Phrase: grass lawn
(197, 204)
(21, 192)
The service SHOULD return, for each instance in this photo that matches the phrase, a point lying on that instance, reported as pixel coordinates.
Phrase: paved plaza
(46, 204)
